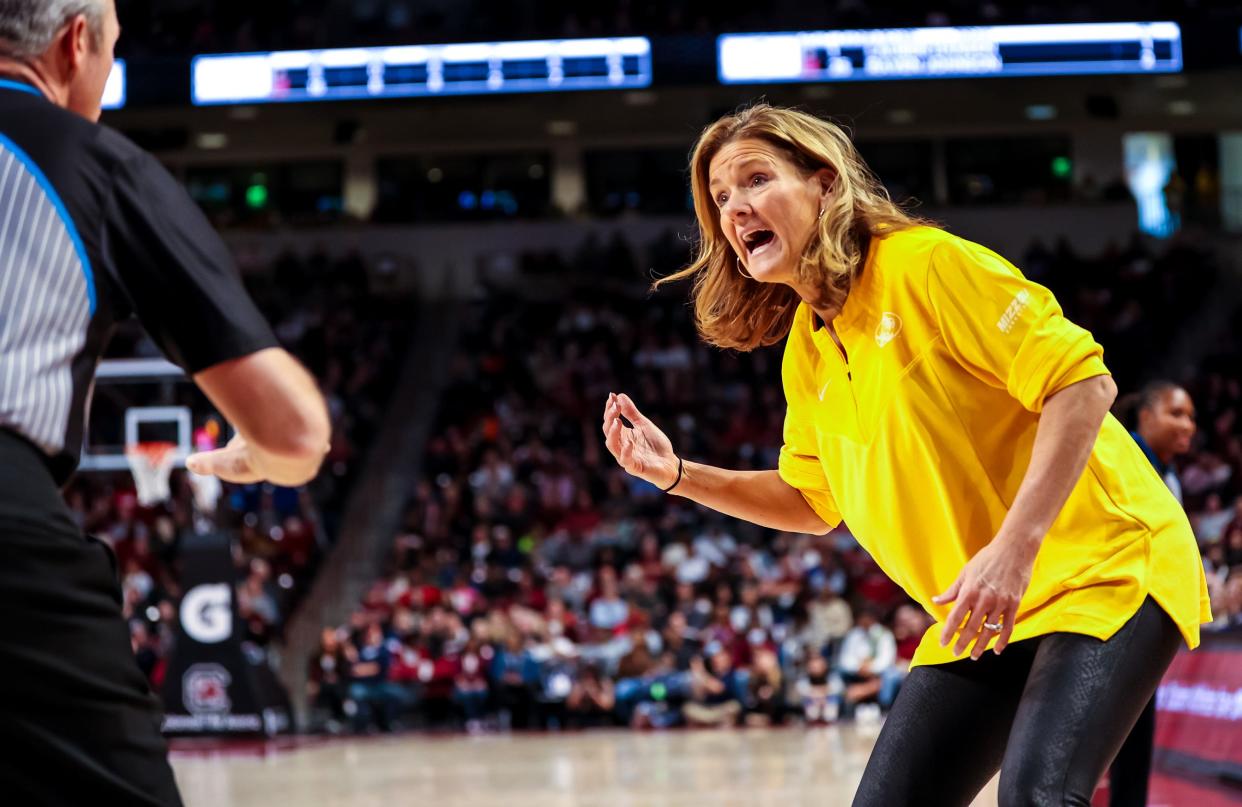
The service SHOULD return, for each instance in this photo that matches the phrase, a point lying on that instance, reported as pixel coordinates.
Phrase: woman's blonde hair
(733, 311)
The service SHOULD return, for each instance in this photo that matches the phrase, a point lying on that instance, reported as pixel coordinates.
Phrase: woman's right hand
(643, 451)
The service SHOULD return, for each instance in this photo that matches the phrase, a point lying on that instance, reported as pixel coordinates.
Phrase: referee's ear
(79, 60)
(75, 45)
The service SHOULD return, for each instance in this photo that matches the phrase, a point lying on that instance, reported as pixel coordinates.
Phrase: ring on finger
(994, 626)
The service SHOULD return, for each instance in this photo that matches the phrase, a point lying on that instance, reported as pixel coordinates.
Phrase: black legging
(1049, 713)
(1131, 768)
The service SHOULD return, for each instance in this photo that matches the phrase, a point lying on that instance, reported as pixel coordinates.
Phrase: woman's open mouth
(758, 241)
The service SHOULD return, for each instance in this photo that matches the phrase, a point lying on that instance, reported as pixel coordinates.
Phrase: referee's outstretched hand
(233, 463)
(637, 444)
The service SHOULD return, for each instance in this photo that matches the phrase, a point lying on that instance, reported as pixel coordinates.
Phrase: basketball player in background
(1162, 417)
(92, 230)
(1163, 422)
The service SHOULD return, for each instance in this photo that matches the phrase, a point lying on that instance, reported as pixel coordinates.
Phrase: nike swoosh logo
(823, 390)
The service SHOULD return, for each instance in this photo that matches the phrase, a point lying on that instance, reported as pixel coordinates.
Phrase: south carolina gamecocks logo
(205, 689)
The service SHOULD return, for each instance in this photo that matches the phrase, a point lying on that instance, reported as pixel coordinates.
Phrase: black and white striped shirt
(92, 230)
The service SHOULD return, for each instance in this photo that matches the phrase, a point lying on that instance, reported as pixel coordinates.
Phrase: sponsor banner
(214, 686)
(1199, 709)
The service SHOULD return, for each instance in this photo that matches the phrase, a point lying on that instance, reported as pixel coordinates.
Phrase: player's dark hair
(1129, 406)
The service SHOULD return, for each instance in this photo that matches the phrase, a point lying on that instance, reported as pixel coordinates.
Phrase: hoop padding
(151, 465)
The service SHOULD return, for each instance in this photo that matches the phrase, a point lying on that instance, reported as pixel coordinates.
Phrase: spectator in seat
(680, 642)
(608, 611)
(867, 653)
(1210, 522)
(592, 700)
(829, 619)
(145, 647)
(437, 673)
(373, 696)
(1236, 521)
(765, 703)
(514, 675)
(470, 688)
(1228, 611)
(256, 606)
(639, 660)
(819, 692)
(326, 688)
(909, 624)
(1214, 565)
(557, 676)
(1233, 547)
(717, 691)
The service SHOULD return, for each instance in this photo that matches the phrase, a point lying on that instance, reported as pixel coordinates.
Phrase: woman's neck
(826, 315)
(815, 299)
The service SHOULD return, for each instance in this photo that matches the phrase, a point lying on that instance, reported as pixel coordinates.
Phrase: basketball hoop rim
(153, 450)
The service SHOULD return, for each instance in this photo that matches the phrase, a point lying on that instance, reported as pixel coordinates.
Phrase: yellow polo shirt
(920, 442)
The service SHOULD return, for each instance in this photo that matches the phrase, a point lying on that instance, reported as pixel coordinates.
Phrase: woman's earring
(821, 213)
(740, 270)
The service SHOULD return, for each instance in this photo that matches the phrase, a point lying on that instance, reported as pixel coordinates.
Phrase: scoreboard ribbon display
(946, 52)
(413, 70)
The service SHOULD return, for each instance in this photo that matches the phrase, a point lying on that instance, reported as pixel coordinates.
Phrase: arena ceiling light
(562, 128)
(114, 88)
(948, 52)
(211, 141)
(1040, 112)
(345, 74)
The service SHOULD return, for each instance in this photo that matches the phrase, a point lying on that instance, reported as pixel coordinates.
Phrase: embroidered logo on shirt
(887, 330)
(1020, 301)
(824, 389)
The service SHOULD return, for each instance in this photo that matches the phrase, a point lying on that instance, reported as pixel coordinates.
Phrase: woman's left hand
(988, 589)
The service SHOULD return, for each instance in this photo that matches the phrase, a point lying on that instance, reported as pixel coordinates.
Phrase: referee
(93, 230)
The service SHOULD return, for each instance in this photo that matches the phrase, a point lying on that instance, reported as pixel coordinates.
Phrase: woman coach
(941, 404)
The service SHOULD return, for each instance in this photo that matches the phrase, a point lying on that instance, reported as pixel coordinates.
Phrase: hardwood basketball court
(817, 767)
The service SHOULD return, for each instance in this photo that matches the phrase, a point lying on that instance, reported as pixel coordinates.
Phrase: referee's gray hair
(27, 27)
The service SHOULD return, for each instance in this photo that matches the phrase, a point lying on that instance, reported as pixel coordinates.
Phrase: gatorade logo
(206, 613)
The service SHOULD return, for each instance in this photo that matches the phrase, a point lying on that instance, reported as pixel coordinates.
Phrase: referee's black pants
(78, 723)
(1049, 713)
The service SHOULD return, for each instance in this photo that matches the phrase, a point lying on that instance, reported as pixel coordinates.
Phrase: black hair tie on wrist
(677, 481)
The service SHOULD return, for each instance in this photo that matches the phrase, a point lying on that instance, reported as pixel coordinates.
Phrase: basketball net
(151, 464)
(207, 491)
